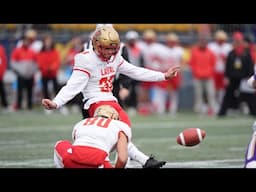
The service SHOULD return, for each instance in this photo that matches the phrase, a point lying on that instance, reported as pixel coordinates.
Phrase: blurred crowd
(219, 63)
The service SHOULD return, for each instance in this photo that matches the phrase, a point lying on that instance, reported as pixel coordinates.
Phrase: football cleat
(153, 163)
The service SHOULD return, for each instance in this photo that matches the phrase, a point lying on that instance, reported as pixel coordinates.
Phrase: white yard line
(226, 163)
(140, 125)
(48, 163)
(180, 124)
(36, 163)
(35, 129)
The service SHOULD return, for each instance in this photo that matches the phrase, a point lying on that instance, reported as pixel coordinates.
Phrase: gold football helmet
(220, 35)
(172, 37)
(106, 111)
(106, 42)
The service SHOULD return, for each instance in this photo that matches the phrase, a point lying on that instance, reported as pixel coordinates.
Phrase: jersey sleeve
(126, 129)
(82, 63)
(140, 73)
(75, 84)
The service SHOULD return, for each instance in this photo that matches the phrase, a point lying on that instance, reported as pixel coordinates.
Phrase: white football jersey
(94, 78)
(175, 56)
(99, 132)
(220, 50)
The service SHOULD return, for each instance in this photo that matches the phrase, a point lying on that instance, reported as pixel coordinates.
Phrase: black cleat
(153, 163)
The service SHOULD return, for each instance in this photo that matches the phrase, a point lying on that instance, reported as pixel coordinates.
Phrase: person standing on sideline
(175, 57)
(221, 49)
(136, 58)
(23, 63)
(3, 67)
(93, 74)
(239, 66)
(32, 36)
(202, 65)
(48, 60)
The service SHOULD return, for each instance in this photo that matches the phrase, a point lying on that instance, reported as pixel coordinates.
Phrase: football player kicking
(250, 155)
(93, 74)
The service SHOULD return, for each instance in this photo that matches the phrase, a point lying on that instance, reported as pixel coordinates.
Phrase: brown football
(191, 136)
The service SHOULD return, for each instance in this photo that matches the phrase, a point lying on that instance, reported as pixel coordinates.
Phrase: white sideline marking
(35, 129)
(151, 125)
(177, 124)
(48, 163)
(36, 163)
(226, 163)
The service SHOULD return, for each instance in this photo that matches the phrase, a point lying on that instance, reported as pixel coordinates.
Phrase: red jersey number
(100, 122)
(106, 83)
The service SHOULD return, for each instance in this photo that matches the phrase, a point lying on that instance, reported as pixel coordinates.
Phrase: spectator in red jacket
(202, 66)
(3, 66)
(48, 60)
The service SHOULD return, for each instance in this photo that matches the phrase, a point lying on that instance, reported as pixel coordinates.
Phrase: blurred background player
(220, 47)
(175, 57)
(32, 36)
(136, 58)
(93, 140)
(93, 73)
(155, 55)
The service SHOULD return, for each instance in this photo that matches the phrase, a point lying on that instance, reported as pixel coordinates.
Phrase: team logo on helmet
(106, 111)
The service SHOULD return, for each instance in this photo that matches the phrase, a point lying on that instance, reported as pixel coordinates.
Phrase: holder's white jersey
(94, 77)
(99, 132)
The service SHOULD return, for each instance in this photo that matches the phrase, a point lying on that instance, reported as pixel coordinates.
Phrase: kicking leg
(147, 162)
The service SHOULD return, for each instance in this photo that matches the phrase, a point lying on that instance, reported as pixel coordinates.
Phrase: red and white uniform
(155, 58)
(221, 51)
(93, 139)
(175, 58)
(94, 77)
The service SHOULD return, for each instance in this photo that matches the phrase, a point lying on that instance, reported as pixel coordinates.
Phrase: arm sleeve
(75, 85)
(77, 81)
(139, 73)
(125, 129)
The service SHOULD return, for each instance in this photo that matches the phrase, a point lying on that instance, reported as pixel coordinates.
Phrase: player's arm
(252, 81)
(122, 150)
(143, 74)
(76, 83)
